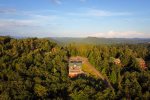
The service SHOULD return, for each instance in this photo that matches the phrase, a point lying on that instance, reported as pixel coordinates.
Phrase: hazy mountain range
(96, 40)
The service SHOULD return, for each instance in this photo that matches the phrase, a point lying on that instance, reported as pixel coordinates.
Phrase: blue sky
(75, 18)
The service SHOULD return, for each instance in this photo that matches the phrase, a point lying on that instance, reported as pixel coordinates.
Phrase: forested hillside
(35, 68)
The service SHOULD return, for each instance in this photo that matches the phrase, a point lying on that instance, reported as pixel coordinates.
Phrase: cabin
(116, 61)
(141, 63)
(54, 49)
(75, 66)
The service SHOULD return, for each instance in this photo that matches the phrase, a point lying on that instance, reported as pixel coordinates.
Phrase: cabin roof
(75, 58)
(140, 59)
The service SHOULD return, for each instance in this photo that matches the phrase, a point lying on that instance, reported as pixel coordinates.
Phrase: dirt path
(92, 68)
(97, 73)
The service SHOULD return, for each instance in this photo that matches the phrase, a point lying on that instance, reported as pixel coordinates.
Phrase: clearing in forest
(89, 69)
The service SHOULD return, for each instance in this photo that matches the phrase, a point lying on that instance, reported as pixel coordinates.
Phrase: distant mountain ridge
(101, 40)
(94, 40)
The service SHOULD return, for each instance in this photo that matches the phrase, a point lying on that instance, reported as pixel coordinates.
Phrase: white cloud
(56, 1)
(126, 34)
(83, 0)
(43, 17)
(7, 10)
(98, 13)
(29, 19)
(13, 23)
(31, 24)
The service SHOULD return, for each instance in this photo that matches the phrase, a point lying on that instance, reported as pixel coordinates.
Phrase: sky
(75, 18)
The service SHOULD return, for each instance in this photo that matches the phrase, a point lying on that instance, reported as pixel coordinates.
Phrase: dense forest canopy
(35, 68)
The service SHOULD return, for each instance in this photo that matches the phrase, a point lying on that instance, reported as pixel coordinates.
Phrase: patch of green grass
(88, 70)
